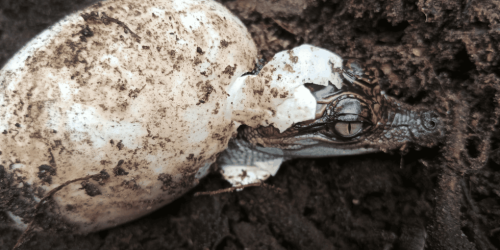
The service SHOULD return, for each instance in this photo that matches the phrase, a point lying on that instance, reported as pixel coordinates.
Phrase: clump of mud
(443, 54)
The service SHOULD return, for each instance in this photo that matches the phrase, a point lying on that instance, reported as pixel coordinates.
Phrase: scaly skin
(356, 119)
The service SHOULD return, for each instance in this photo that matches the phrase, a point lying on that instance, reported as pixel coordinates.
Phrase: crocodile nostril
(430, 120)
(432, 124)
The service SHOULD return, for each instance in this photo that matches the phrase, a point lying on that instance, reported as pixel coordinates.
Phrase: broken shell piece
(277, 95)
(243, 175)
(137, 89)
(240, 175)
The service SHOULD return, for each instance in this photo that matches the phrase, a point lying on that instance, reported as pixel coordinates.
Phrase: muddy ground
(443, 54)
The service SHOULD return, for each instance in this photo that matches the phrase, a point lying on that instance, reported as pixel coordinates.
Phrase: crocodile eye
(348, 129)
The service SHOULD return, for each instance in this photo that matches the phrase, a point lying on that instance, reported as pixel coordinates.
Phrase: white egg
(136, 88)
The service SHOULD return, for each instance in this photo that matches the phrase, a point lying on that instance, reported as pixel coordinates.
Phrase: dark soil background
(443, 54)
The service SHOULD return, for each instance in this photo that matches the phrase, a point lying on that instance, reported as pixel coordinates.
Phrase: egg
(137, 90)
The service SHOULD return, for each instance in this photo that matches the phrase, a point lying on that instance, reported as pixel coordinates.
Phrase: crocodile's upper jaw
(369, 121)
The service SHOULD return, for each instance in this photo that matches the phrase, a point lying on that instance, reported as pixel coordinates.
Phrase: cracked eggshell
(136, 88)
(277, 95)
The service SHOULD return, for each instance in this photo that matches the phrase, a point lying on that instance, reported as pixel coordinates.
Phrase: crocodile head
(354, 119)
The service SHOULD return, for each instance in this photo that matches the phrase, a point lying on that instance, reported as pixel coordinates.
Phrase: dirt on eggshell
(121, 66)
(443, 54)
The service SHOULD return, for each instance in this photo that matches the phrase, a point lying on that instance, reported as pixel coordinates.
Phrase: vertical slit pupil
(349, 128)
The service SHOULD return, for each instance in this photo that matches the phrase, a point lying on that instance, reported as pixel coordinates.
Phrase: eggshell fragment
(277, 96)
(239, 175)
(135, 88)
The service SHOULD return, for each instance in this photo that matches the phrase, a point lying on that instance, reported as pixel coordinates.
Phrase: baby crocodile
(355, 119)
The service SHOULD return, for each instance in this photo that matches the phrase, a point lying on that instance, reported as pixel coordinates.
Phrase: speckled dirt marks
(441, 53)
(91, 94)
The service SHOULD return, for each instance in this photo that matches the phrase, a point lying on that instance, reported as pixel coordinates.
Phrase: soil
(443, 54)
